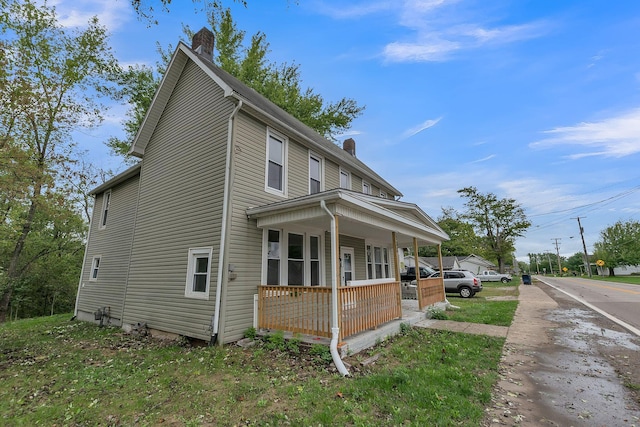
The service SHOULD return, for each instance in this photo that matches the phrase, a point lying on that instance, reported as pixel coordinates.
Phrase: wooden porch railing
(430, 291)
(307, 310)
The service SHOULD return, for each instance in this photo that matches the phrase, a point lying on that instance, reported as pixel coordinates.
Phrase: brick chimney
(349, 145)
(202, 42)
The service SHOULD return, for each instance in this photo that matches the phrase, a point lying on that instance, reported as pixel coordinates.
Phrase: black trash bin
(526, 279)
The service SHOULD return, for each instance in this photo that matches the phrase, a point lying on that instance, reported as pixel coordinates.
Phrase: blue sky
(534, 100)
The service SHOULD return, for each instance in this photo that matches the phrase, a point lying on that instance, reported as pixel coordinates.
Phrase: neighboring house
(409, 261)
(238, 216)
(623, 270)
(448, 262)
(475, 264)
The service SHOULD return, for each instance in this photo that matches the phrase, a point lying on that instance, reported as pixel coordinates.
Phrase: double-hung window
(293, 258)
(198, 273)
(315, 174)
(276, 179)
(345, 179)
(95, 267)
(106, 201)
(377, 262)
(366, 187)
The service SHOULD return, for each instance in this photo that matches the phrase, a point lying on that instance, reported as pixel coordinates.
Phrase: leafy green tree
(280, 83)
(498, 221)
(463, 239)
(147, 9)
(51, 81)
(619, 245)
(576, 262)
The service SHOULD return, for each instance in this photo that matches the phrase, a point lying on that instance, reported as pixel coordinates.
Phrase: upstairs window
(106, 201)
(276, 163)
(345, 179)
(315, 174)
(198, 273)
(366, 187)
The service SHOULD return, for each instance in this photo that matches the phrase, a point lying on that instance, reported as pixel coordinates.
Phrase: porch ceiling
(358, 215)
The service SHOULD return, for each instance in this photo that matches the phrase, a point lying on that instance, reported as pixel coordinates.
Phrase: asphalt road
(617, 301)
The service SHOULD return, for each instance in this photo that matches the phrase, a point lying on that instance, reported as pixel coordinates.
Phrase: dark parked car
(460, 281)
(410, 274)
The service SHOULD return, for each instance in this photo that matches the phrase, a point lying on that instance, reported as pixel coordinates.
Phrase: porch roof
(359, 215)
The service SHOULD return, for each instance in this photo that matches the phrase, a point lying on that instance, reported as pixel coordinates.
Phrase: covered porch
(361, 290)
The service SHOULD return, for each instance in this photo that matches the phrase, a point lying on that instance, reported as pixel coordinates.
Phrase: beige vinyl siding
(358, 253)
(298, 166)
(356, 183)
(244, 247)
(180, 207)
(113, 244)
(331, 175)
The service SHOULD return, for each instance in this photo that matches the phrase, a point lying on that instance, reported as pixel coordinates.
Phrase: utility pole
(558, 253)
(584, 247)
(549, 261)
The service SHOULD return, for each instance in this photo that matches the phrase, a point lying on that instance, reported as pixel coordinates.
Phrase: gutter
(223, 226)
(84, 261)
(335, 330)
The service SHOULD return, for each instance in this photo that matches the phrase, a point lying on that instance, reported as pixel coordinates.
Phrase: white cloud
(438, 31)
(111, 13)
(423, 126)
(484, 159)
(613, 137)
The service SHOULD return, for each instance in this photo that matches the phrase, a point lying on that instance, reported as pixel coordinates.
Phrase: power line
(608, 199)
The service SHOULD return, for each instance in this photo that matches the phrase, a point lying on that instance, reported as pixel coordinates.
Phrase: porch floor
(411, 315)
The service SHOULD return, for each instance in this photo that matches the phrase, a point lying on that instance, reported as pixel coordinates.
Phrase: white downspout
(335, 330)
(223, 226)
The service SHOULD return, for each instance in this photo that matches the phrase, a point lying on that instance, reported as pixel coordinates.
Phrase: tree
(280, 83)
(50, 84)
(462, 238)
(498, 221)
(576, 262)
(619, 245)
(145, 8)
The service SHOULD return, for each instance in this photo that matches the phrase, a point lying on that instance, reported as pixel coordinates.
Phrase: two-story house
(239, 215)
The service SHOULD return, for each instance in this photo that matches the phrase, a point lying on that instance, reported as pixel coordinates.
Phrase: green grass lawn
(486, 306)
(54, 371)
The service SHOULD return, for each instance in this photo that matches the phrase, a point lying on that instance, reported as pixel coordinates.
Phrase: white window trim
(106, 201)
(191, 265)
(284, 245)
(348, 175)
(285, 143)
(366, 185)
(94, 267)
(321, 166)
